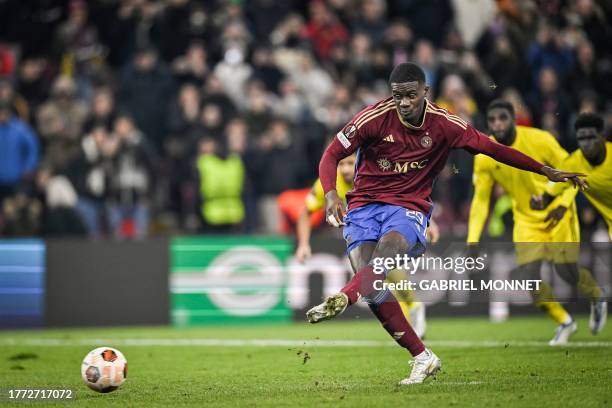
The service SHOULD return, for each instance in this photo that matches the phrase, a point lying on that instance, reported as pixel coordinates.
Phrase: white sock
(424, 355)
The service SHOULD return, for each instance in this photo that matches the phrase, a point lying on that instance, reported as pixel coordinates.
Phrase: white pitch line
(44, 342)
(455, 383)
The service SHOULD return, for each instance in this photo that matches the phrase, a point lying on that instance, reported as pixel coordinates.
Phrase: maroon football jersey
(397, 163)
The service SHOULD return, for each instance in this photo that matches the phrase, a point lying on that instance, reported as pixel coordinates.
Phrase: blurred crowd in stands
(130, 118)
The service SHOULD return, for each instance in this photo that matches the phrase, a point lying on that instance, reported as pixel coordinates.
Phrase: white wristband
(332, 221)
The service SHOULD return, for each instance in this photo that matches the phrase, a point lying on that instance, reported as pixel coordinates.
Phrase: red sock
(361, 284)
(390, 314)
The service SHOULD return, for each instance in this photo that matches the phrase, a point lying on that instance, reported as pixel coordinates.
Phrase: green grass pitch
(349, 363)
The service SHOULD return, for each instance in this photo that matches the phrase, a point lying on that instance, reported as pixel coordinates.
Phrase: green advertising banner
(229, 279)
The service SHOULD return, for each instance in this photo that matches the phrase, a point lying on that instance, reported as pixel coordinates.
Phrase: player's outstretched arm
(560, 175)
(477, 142)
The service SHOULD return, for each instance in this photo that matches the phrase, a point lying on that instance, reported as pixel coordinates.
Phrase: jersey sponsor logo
(345, 142)
(384, 164)
(426, 141)
(389, 139)
(401, 167)
(407, 166)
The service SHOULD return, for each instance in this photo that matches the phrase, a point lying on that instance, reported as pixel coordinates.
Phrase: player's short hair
(587, 120)
(501, 104)
(407, 72)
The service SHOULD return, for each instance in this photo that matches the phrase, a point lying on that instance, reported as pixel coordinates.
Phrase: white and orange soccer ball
(104, 369)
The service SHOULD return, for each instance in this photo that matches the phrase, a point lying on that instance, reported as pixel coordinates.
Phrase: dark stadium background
(125, 97)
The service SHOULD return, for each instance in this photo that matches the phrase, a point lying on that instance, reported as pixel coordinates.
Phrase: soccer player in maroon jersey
(402, 144)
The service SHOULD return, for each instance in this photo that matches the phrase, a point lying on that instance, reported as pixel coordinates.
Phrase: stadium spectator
(258, 108)
(221, 176)
(20, 216)
(59, 198)
(425, 56)
(132, 180)
(472, 18)
(314, 82)
(60, 122)
(19, 152)
(19, 105)
(145, 89)
(590, 72)
(211, 121)
(288, 32)
(521, 111)
(174, 28)
(324, 30)
(233, 72)
(372, 20)
(313, 64)
(213, 92)
(32, 84)
(592, 19)
(277, 155)
(185, 109)
(102, 109)
(266, 70)
(504, 63)
(549, 51)
(90, 172)
(192, 67)
(264, 16)
(291, 104)
(360, 59)
(426, 18)
(79, 48)
(398, 41)
(127, 27)
(180, 152)
(455, 98)
(549, 104)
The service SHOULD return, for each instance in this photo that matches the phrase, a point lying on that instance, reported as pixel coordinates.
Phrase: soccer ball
(104, 369)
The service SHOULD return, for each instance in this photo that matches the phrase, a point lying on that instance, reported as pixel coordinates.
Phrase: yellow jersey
(315, 200)
(599, 178)
(519, 185)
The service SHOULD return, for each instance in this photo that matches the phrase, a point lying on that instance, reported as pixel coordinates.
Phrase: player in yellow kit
(538, 235)
(593, 158)
(315, 201)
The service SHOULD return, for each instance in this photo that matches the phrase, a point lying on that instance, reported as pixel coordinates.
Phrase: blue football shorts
(372, 221)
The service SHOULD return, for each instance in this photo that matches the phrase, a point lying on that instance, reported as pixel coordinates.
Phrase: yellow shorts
(558, 245)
